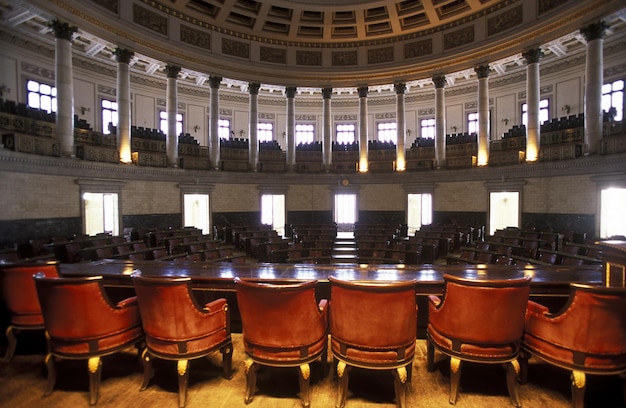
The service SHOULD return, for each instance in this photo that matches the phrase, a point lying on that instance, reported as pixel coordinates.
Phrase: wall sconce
(242, 132)
(84, 109)
(408, 132)
(284, 134)
(566, 109)
(453, 128)
(3, 89)
(505, 121)
(196, 128)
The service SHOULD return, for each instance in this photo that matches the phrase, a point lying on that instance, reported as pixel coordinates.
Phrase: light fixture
(84, 109)
(196, 128)
(3, 89)
(242, 132)
(566, 109)
(505, 121)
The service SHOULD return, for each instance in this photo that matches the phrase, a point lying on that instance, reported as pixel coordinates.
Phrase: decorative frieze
(149, 19)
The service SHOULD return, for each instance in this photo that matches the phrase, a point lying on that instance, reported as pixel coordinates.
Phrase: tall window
(419, 211)
(427, 128)
(41, 96)
(612, 220)
(472, 123)
(613, 97)
(273, 212)
(346, 133)
(223, 128)
(109, 115)
(386, 132)
(101, 213)
(163, 122)
(196, 212)
(544, 111)
(345, 210)
(503, 210)
(265, 131)
(305, 133)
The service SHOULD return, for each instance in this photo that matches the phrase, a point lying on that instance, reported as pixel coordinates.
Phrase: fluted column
(327, 130)
(440, 121)
(532, 103)
(594, 77)
(171, 109)
(290, 91)
(123, 57)
(214, 117)
(253, 89)
(483, 114)
(400, 88)
(363, 145)
(63, 33)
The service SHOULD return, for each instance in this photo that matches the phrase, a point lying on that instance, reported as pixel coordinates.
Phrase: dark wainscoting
(309, 217)
(153, 221)
(391, 218)
(579, 227)
(223, 219)
(18, 231)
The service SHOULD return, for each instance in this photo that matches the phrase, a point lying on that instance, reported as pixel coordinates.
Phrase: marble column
(123, 57)
(214, 117)
(532, 58)
(290, 92)
(594, 78)
(483, 114)
(440, 121)
(171, 109)
(253, 140)
(363, 145)
(400, 88)
(64, 84)
(327, 130)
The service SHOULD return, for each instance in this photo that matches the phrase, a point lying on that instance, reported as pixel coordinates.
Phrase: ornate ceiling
(322, 43)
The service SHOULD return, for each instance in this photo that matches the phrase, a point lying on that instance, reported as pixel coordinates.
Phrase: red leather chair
(178, 328)
(283, 326)
(82, 323)
(20, 296)
(481, 321)
(587, 336)
(373, 325)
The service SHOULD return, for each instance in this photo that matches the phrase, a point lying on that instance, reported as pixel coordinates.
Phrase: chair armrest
(215, 305)
(131, 301)
(434, 300)
(535, 308)
(323, 305)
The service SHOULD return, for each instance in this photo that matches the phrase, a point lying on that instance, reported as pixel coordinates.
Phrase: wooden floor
(22, 382)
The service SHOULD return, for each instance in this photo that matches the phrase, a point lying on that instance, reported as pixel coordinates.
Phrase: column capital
(363, 90)
(290, 91)
(439, 80)
(400, 88)
(123, 55)
(62, 30)
(253, 88)
(482, 71)
(172, 71)
(533, 56)
(594, 31)
(214, 81)
(327, 92)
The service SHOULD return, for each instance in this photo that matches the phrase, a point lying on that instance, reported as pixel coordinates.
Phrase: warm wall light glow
(483, 158)
(363, 166)
(400, 165)
(125, 158)
(531, 153)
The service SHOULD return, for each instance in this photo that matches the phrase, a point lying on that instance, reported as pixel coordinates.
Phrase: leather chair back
(482, 311)
(20, 294)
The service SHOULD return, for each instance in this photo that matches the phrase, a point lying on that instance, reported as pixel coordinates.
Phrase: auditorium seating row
(367, 324)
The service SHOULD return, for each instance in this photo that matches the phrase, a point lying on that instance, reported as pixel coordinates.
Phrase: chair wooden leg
(182, 367)
(578, 389)
(305, 377)
(148, 372)
(455, 379)
(430, 356)
(227, 361)
(343, 373)
(94, 365)
(52, 374)
(399, 383)
(251, 370)
(12, 343)
(512, 382)
(324, 361)
(523, 358)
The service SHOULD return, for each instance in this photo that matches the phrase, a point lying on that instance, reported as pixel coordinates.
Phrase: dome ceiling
(321, 43)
